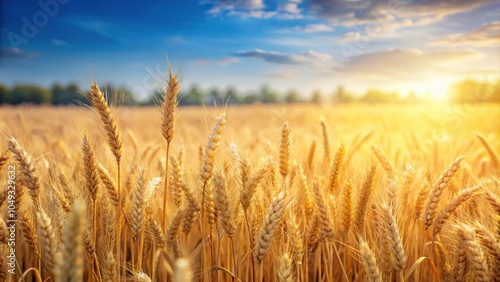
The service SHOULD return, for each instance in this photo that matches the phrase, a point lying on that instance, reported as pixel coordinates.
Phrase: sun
(438, 90)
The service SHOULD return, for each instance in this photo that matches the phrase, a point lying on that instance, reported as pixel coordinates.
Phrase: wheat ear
(70, 267)
(285, 151)
(285, 270)
(326, 142)
(27, 169)
(364, 197)
(336, 168)
(326, 226)
(385, 162)
(346, 209)
(295, 239)
(493, 200)
(435, 194)
(394, 238)
(223, 206)
(137, 211)
(109, 268)
(369, 262)
(3, 158)
(463, 196)
(108, 121)
(90, 168)
(475, 256)
(109, 184)
(491, 153)
(311, 154)
(266, 235)
(4, 233)
(48, 241)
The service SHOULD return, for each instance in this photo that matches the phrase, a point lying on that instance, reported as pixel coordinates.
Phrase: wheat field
(250, 193)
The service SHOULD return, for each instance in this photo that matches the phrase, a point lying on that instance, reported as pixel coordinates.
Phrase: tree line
(467, 91)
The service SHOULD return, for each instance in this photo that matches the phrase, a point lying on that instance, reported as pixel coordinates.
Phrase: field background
(420, 142)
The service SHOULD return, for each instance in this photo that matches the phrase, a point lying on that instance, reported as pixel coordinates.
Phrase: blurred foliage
(467, 91)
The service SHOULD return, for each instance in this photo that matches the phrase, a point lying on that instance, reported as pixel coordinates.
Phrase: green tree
(292, 97)
(4, 94)
(251, 99)
(194, 96)
(30, 94)
(118, 95)
(341, 96)
(267, 96)
(215, 96)
(67, 95)
(232, 96)
(317, 98)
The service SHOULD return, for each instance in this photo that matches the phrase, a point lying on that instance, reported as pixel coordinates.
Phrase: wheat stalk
(115, 144)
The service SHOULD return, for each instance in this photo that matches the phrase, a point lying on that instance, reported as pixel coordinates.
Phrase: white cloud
(351, 36)
(314, 28)
(407, 64)
(254, 9)
(320, 62)
(220, 62)
(58, 42)
(487, 35)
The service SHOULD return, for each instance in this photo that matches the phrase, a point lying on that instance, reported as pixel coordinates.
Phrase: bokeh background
(247, 51)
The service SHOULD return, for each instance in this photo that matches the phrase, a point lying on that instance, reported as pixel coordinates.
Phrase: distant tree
(215, 96)
(154, 98)
(4, 94)
(251, 99)
(317, 98)
(30, 94)
(194, 96)
(118, 95)
(378, 96)
(68, 95)
(341, 96)
(232, 96)
(292, 97)
(470, 91)
(267, 96)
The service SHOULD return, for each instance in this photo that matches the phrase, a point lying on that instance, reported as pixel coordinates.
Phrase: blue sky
(307, 45)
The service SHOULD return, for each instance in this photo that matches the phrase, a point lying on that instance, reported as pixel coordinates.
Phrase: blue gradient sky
(294, 44)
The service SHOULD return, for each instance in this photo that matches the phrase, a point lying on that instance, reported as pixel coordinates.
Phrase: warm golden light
(438, 90)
